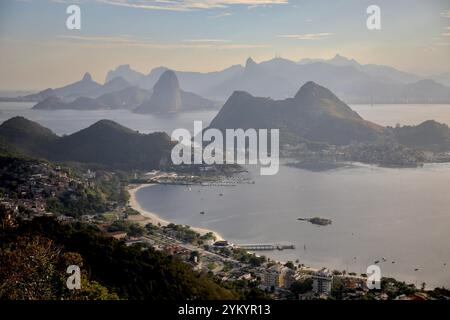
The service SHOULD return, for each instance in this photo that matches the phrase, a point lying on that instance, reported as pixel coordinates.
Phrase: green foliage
(132, 229)
(248, 258)
(290, 265)
(77, 202)
(34, 268)
(106, 143)
(131, 272)
(183, 233)
(302, 286)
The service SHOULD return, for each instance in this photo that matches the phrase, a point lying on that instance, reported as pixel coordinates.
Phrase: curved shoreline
(155, 218)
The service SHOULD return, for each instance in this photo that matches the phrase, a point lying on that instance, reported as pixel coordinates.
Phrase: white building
(322, 281)
(287, 277)
(271, 277)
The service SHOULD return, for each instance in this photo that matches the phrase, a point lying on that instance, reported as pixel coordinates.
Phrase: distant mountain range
(105, 143)
(117, 93)
(315, 116)
(279, 78)
(443, 78)
(86, 87)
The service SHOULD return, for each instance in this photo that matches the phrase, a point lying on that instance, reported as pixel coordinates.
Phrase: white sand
(155, 219)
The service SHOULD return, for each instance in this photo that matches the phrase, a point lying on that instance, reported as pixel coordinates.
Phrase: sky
(38, 51)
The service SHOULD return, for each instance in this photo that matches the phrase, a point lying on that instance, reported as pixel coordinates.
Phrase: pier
(264, 247)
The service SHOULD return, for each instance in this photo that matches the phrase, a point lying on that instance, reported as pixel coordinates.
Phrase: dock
(264, 247)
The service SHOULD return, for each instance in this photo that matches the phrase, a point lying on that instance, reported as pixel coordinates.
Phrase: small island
(317, 221)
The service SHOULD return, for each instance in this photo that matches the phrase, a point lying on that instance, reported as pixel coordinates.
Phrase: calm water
(404, 114)
(70, 121)
(402, 215)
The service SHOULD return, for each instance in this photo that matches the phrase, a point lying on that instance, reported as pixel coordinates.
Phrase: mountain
(426, 90)
(277, 78)
(114, 85)
(26, 136)
(105, 143)
(82, 103)
(125, 72)
(429, 135)
(85, 88)
(377, 71)
(280, 78)
(167, 97)
(111, 144)
(40, 96)
(197, 82)
(149, 81)
(129, 98)
(257, 79)
(315, 114)
(443, 78)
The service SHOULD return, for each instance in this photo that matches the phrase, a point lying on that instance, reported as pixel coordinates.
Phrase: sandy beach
(147, 216)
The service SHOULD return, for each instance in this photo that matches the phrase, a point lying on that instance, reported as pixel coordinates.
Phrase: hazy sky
(38, 51)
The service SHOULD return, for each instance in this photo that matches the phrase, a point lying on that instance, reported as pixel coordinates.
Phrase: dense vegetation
(429, 135)
(105, 142)
(111, 269)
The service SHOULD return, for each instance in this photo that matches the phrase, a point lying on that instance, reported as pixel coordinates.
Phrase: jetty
(264, 247)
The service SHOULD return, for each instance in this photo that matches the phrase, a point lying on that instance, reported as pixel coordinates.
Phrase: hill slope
(315, 113)
(105, 143)
(27, 136)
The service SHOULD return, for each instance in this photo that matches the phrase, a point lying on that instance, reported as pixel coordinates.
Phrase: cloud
(307, 36)
(221, 15)
(127, 41)
(181, 5)
(207, 40)
(106, 39)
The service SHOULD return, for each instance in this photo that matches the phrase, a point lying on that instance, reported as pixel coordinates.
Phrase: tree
(34, 268)
(302, 286)
(423, 286)
(290, 265)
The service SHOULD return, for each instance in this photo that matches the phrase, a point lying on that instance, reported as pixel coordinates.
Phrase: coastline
(151, 217)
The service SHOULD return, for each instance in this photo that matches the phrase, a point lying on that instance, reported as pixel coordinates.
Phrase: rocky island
(316, 220)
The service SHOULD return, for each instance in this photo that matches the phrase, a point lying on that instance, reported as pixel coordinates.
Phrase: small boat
(416, 269)
(377, 262)
(221, 194)
(202, 212)
(393, 261)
